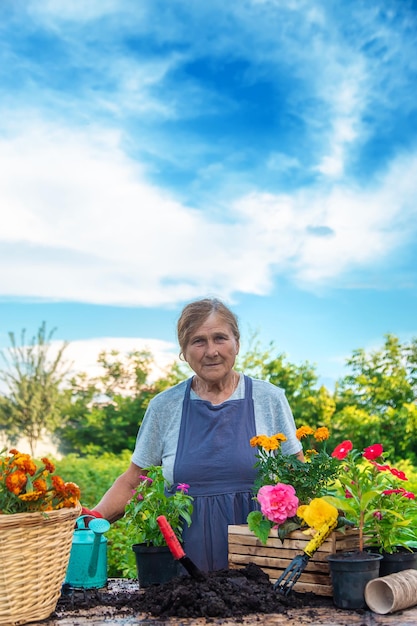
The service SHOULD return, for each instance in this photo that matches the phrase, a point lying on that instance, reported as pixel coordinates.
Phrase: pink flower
(278, 502)
(183, 487)
(373, 452)
(348, 494)
(342, 450)
(377, 514)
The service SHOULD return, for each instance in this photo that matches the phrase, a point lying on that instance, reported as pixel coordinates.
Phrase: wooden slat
(276, 555)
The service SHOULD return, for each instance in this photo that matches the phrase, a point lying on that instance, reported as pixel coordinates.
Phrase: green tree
(31, 407)
(103, 413)
(376, 401)
(310, 403)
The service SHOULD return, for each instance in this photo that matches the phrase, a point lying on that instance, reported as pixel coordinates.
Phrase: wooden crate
(275, 556)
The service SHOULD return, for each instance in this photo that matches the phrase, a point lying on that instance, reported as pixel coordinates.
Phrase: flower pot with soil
(153, 497)
(350, 573)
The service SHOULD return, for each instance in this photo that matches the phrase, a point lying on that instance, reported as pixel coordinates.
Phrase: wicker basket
(34, 554)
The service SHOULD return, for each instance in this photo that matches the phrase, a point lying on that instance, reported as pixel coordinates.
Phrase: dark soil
(225, 593)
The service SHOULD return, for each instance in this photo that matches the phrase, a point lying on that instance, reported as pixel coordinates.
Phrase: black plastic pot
(397, 562)
(155, 564)
(350, 572)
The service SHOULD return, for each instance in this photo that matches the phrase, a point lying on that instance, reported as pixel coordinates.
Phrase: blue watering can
(87, 567)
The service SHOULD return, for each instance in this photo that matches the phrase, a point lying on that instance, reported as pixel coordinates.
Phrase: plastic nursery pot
(155, 564)
(392, 593)
(397, 562)
(350, 573)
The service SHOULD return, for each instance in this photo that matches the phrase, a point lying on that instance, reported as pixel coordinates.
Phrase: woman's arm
(113, 503)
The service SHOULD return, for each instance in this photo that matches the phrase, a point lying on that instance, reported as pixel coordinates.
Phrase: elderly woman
(200, 429)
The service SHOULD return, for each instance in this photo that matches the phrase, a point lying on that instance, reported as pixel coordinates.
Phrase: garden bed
(118, 605)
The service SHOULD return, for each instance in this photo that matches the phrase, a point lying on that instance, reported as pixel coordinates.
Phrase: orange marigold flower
(270, 443)
(254, 441)
(262, 441)
(321, 434)
(280, 437)
(40, 485)
(49, 466)
(303, 431)
(16, 481)
(58, 484)
(72, 490)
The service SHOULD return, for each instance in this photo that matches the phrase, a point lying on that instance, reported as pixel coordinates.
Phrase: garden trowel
(176, 549)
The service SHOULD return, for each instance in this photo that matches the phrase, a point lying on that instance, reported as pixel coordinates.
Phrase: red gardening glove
(92, 513)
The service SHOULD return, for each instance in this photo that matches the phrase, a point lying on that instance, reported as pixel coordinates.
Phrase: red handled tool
(176, 549)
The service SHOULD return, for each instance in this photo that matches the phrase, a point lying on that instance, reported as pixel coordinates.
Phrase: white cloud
(80, 222)
(82, 354)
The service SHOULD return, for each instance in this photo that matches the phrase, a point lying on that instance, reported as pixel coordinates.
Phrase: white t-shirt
(157, 439)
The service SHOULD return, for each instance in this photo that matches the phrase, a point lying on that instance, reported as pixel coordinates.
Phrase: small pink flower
(378, 515)
(183, 487)
(278, 502)
(146, 478)
(348, 494)
(373, 452)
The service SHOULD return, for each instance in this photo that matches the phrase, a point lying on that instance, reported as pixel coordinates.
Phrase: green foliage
(32, 406)
(93, 475)
(121, 562)
(371, 494)
(103, 414)
(149, 501)
(259, 525)
(377, 399)
(310, 405)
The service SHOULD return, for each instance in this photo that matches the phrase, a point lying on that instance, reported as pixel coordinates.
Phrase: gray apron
(215, 458)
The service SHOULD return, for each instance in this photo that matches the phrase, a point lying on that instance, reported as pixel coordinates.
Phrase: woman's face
(212, 349)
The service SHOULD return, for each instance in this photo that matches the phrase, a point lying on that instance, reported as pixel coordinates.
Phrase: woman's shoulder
(170, 395)
(266, 388)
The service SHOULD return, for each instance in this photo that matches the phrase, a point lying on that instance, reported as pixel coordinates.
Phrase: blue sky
(260, 151)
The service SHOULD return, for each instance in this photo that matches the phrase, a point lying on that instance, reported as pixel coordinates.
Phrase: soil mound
(225, 593)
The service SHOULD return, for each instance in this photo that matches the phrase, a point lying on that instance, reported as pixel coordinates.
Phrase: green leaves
(259, 525)
(148, 501)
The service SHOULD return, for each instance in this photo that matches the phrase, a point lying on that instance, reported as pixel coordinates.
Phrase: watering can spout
(99, 526)
(87, 567)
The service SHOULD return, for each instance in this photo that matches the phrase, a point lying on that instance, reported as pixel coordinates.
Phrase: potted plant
(371, 493)
(367, 491)
(149, 500)
(37, 514)
(284, 483)
(283, 488)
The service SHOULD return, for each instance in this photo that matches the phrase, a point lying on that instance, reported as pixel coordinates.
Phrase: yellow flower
(317, 513)
(321, 434)
(303, 431)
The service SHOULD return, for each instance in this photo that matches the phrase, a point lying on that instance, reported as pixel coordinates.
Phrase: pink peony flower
(278, 502)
